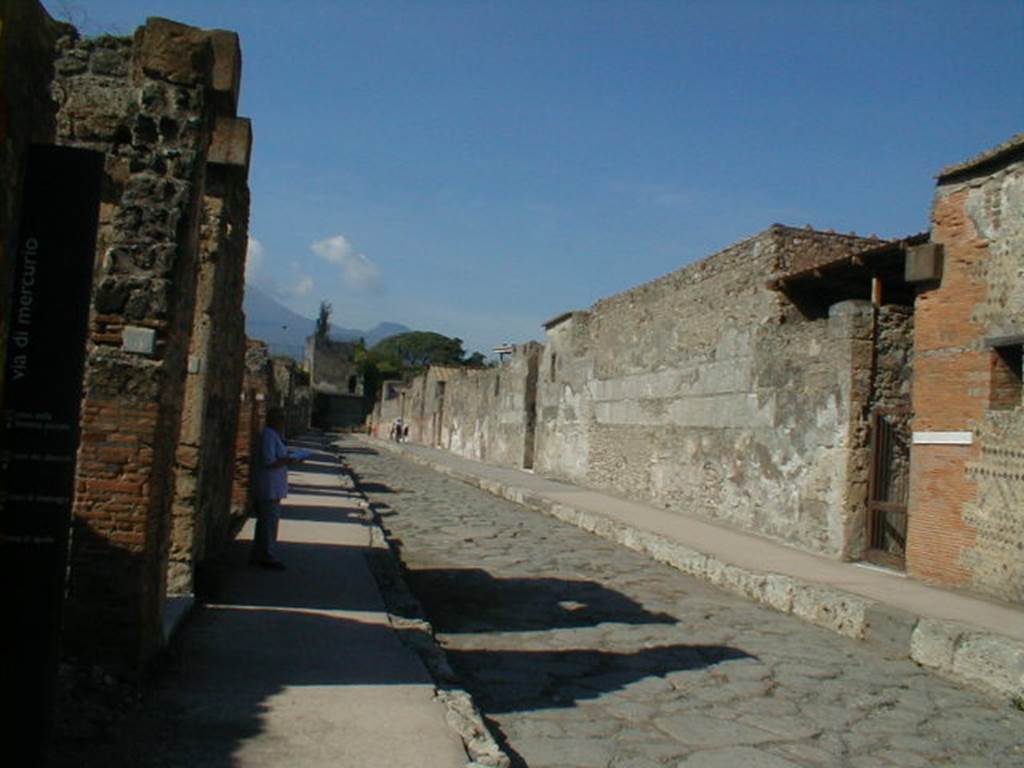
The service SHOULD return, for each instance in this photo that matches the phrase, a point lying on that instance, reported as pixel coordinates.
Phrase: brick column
(950, 394)
(145, 103)
(967, 464)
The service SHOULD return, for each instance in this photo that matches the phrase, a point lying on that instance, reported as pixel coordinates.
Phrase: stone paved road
(582, 653)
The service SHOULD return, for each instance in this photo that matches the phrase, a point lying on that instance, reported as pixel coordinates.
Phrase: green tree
(418, 349)
(323, 320)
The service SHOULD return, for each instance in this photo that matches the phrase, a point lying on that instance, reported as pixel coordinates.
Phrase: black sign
(42, 392)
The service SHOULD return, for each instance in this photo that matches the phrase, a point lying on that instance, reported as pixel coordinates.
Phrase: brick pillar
(145, 103)
(967, 463)
(950, 394)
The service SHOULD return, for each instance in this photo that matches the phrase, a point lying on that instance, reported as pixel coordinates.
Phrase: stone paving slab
(582, 653)
(968, 639)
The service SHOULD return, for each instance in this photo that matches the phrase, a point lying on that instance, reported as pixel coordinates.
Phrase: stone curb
(981, 659)
(407, 619)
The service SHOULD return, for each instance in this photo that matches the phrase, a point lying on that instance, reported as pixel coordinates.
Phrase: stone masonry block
(991, 662)
(837, 611)
(933, 643)
(890, 628)
(227, 70)
(924, 263)
(174, 52)
(231, 143)
(778, 592)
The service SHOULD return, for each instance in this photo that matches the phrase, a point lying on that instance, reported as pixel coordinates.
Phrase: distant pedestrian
(405, 434)
(271, 486)
(396, 431)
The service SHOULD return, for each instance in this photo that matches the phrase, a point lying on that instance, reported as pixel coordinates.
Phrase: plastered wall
(706, 393)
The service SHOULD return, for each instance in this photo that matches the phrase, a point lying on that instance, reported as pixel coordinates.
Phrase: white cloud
(293, 285)
(357, 271)
(302, 288)
(254, 257)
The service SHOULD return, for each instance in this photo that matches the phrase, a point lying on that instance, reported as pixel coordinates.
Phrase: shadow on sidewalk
(319, 490)
(348, 514)
(239, 658)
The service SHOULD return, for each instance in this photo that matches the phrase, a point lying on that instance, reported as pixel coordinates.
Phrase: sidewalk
(968, 638)
(301, 667)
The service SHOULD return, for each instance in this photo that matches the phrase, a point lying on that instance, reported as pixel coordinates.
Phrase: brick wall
(967, 500)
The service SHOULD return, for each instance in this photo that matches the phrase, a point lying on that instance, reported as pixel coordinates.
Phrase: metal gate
(888, 487)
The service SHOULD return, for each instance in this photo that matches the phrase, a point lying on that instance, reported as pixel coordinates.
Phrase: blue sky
(475, 168)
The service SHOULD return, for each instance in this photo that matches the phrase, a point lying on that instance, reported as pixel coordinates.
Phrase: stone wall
(707, 393)
(332, 366)
(388, 409)
(205, 458)
(292, 392)
(967, 497)
(169, 256)
(490, 412)
(339, 400)
(424, 405)
(257, 388)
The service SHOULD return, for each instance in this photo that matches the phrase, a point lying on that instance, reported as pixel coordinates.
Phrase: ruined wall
(967, 497)
(707, 393)
(148, 103)
(257, 389)
(337, 384)
(489, 412)
(292, 393)
(332, 366)
(388, 408)
(424, 405)
(205, 457)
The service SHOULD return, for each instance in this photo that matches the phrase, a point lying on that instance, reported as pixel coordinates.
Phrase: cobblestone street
(581, 653)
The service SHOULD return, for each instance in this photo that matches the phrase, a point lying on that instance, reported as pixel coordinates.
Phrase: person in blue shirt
(271, 486)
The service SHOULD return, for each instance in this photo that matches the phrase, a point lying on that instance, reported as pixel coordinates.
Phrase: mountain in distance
(285, 331)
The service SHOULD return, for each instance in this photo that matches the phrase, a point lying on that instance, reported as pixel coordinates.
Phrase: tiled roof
(1006, 149)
